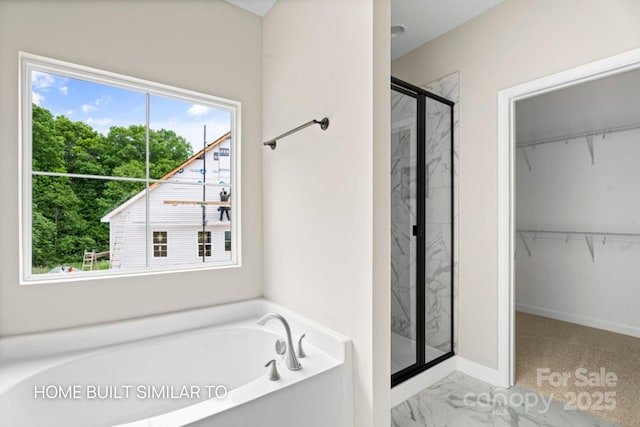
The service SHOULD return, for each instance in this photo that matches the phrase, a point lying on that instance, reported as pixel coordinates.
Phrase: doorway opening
(572, 229)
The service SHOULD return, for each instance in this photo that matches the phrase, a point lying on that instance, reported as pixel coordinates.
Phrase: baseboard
(581, 320)
(478, 371)
(415, 385)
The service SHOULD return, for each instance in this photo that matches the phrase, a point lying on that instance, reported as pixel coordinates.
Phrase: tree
(117, 192)
(82, 150)
(53, 198)
(43, 235)
(47, 146)
(167, 150)
(67, 211)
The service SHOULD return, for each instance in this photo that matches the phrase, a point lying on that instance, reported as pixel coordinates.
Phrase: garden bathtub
(202, 367)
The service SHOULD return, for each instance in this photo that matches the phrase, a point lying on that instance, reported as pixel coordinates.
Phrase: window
(108, 158)
(227, 241)
(216, 156)
(160, 244)
(224, 152)
(204, 244)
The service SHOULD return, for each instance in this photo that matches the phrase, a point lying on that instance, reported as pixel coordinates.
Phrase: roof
(168, 175)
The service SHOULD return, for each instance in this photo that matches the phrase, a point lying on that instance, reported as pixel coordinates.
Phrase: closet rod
(588, 237)
(580, 233)
(324, 124)
(579, 135)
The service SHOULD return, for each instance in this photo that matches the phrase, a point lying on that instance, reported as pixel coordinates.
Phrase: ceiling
(259, 7)
(599, 104)
(424, 20)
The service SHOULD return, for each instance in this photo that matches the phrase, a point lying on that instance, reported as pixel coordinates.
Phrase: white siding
(181, 221)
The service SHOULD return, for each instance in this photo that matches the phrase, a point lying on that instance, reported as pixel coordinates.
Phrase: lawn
(99, 265)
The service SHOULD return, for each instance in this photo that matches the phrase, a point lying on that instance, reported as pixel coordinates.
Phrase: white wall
(564, 191)
(211, 47)
(518, 41)
(319, 185)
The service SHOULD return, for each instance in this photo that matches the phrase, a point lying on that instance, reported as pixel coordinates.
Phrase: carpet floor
(594, 370)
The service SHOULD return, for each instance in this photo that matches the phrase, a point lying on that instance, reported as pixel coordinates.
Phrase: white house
(184, 212)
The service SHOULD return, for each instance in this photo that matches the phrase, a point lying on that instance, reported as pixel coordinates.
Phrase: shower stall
(421, 230)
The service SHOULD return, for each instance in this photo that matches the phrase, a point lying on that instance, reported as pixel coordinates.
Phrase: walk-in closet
(577, 243)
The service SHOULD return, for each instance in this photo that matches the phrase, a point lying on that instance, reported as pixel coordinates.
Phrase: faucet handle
(301, 352)
(273, 372)
(281, 347)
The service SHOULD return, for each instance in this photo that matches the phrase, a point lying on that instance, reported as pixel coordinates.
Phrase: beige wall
(319, 185)
(206, 46)
(518, 41)
(381, 213)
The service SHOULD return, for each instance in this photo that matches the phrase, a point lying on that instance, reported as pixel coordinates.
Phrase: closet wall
(568, 190)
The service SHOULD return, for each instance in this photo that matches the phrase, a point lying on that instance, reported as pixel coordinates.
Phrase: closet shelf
(566, 235)
(588, 136)
(578, 135)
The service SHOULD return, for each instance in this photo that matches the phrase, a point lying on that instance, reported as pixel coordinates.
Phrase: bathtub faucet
(292, 361)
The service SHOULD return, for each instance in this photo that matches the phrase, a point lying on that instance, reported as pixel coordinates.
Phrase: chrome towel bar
(324, 124)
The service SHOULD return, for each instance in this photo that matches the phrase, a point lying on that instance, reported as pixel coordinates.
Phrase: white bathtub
(162, 371)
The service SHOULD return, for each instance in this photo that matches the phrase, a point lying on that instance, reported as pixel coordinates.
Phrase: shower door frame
(419, 230)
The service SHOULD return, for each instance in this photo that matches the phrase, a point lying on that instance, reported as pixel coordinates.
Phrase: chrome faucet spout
(291, 360)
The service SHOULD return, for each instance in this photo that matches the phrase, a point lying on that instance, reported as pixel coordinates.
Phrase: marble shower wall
(438, 216)
(439, 205)
(403, 214)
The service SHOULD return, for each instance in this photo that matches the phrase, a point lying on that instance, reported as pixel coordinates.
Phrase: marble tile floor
(459, 400)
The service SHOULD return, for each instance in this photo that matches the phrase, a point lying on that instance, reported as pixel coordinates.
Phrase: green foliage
(48, 146)
(67, 211)
(44, 232)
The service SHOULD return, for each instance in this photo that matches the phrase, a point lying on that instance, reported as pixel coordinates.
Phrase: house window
(216, 155)
(107, 157)
(204, 244)
(227, 241)
(160, 244)
(224, 152)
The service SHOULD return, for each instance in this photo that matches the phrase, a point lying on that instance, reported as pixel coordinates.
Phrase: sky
(102, 106)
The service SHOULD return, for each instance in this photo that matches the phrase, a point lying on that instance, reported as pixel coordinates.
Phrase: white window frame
(230, 240)
(204, 243)
(165, 244)
(29, 63)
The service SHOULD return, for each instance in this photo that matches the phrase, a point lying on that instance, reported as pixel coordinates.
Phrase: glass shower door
(439, 229)
(421, 230)
(403, 242)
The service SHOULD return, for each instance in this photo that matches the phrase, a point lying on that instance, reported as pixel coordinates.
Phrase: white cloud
(86, 108)
(103, 100)
(64, 90)
(100, 125)
(98, 122)
(197, 110)
(36, 98)
(41, 80)
(193, 132)
(69, 112)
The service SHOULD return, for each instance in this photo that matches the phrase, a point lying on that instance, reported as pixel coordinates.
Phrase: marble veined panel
(459, 400)
(439, 214)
